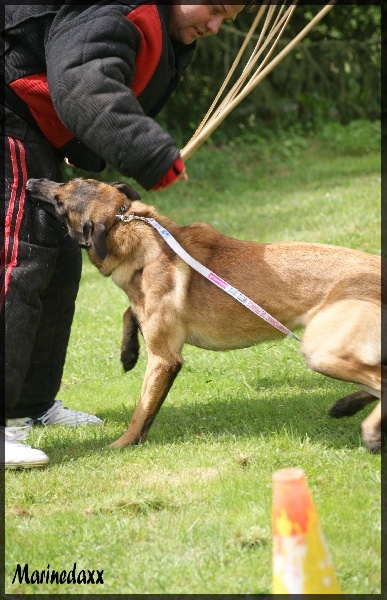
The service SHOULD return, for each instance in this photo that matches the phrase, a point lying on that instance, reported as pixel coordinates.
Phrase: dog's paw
(372, 437)
(115, 445)
(124, 441)
(129, 360)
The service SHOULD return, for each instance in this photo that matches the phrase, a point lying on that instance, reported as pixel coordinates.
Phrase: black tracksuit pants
(42, 268)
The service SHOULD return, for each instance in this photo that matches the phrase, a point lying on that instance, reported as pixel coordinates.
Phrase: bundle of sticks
(261, 62)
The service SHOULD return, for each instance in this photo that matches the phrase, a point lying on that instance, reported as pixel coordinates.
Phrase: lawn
(189, 511)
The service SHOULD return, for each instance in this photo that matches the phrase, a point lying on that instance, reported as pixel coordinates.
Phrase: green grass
(189, 511)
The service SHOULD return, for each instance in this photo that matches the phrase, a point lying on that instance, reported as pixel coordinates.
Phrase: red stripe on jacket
(33, 89)
(147, 21)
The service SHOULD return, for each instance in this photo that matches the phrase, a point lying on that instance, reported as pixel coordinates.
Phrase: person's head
(189, 22)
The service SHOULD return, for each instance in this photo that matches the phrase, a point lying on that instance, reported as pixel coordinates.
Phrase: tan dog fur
(333, 292)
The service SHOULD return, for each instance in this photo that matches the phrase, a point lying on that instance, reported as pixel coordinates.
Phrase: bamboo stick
(253, 59)
(213, 123)
(233, 67)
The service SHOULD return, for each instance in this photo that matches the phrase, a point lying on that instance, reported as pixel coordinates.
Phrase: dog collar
(215, 279)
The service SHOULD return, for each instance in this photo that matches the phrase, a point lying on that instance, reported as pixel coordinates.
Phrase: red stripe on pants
(11, 262)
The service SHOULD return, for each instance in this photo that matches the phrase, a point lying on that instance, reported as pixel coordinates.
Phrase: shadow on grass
(293, 415)
(297, 414)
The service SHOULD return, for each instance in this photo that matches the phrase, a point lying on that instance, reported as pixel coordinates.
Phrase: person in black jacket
(83, 83)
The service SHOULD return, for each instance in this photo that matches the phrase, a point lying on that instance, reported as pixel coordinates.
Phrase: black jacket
(92, 77)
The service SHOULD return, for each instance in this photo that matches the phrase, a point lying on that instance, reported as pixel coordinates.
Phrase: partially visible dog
(334, 292)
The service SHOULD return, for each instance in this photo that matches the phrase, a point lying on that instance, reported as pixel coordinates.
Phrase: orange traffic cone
(301, 561)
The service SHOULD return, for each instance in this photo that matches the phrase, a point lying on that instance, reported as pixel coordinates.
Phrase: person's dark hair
(252, 5)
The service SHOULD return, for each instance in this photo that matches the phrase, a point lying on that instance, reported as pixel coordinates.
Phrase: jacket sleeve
(90, 58)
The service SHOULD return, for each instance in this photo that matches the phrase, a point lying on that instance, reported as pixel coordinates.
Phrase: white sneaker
(57, 415)
(21, 456)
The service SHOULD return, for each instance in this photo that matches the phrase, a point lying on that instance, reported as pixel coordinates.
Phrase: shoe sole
(26, 466)
(77, 424)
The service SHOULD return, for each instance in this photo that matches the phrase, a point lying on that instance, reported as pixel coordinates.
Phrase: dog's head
(86, 206)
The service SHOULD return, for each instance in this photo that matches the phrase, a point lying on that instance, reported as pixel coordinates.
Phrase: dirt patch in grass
(173, 478)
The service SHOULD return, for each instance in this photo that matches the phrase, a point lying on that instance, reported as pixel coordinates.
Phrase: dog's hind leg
(130, 345)
(374, 427)
(159, 377)
(351, 404)
(343, 341)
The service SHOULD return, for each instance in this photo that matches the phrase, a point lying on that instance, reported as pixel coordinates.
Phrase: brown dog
(334, 292)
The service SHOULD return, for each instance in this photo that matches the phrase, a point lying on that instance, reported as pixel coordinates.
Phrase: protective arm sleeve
(90, 66)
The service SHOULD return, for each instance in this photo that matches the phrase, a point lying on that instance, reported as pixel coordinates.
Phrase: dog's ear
(94, 235)
(126, 189)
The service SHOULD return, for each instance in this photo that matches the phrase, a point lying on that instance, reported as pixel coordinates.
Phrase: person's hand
(176, 173)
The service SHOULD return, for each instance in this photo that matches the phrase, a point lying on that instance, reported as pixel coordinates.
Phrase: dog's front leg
(159, 377)
(129, 346)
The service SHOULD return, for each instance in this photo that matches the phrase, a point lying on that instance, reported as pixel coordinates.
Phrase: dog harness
(215, 279)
